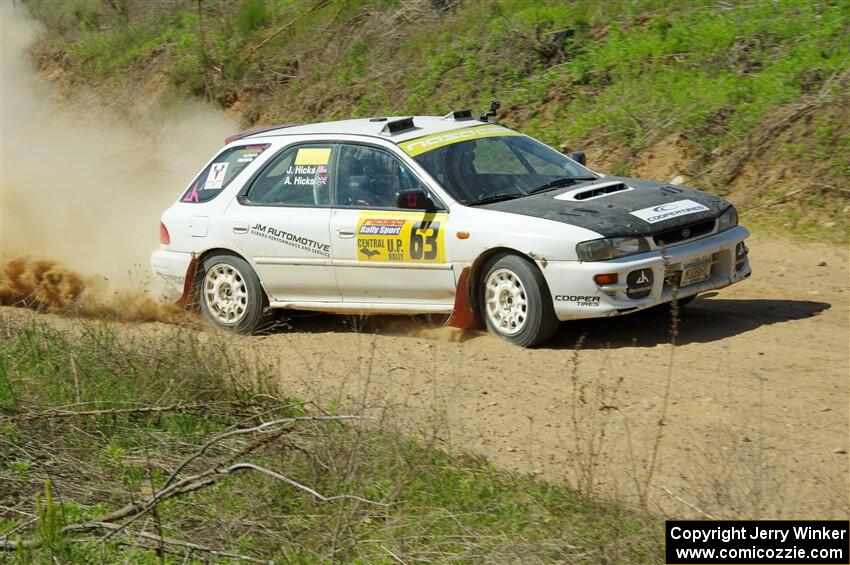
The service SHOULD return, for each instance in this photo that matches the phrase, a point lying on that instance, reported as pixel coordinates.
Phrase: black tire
(247, 298)
(539, 322)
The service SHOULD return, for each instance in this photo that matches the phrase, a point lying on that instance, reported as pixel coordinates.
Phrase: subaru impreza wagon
(443, 215)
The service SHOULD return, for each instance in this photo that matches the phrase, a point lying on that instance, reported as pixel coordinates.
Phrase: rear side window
(298, 176)
(221, 171)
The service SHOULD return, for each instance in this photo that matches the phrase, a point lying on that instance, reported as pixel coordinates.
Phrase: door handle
(345, 232)
(240, 228)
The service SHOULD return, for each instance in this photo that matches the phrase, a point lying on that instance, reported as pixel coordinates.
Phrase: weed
(151, 400)
(20, 467)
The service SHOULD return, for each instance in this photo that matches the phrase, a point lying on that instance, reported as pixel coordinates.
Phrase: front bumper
(575, 294)
(169, 268)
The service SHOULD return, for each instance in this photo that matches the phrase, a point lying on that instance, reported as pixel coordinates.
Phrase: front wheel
(516, 302)
(230, 294)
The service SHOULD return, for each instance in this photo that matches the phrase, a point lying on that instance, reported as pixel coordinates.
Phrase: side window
(298, 176)
(221, 171)
(370, 177)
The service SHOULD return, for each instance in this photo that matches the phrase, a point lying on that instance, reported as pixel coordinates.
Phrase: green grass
(668, 65)
(628, 74)
(72, 469)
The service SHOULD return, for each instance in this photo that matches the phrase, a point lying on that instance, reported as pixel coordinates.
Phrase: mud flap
(463, 316)
(186, 300)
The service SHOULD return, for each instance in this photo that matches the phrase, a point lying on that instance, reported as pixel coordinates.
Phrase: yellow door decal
(401, 237)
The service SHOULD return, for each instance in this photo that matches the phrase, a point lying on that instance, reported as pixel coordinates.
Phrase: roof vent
(397, 126)
(377, 119)
(458, 115)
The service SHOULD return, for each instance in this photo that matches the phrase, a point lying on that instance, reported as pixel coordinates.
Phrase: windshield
(499, 167)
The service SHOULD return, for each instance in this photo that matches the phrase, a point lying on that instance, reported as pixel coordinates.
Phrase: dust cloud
(81, 187)
(47, 286)
(39, 283)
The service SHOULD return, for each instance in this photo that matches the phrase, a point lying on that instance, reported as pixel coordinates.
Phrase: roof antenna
(494, 107)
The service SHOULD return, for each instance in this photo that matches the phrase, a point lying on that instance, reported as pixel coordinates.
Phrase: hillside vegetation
(748, 99)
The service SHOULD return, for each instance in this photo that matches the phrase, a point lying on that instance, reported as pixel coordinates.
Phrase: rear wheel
(230, 294)
(516, 302)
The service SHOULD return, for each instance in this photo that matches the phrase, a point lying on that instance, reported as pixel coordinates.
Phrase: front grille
(669, 237)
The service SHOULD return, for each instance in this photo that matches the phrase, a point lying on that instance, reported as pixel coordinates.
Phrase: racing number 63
(423, 240)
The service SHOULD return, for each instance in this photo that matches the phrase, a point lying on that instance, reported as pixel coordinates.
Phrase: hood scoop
(594, 191)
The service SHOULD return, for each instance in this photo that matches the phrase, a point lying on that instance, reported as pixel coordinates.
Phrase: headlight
(610, 248)
(728, 219)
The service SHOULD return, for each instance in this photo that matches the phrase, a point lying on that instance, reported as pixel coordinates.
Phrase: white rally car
(451, 215)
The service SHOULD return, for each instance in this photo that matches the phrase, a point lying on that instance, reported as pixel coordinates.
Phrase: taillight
(164, 238)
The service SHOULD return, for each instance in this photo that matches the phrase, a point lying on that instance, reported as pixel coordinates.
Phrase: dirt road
(746, 417)
(756, 422)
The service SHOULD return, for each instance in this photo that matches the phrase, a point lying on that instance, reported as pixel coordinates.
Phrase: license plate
(696, 271)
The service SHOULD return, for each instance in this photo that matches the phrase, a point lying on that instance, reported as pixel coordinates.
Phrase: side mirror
(414, 199)
(579, 157)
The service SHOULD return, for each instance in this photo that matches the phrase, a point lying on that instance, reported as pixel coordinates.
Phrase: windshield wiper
(559, 182)
(495, 198)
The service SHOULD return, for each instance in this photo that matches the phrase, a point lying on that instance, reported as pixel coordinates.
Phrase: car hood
(623, 207)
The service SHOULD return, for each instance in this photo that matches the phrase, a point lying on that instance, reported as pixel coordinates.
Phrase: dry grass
(130, 446)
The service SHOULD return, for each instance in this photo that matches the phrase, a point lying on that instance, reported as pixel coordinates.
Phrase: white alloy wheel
(226, 294)
(515, 301)
(506, 301)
